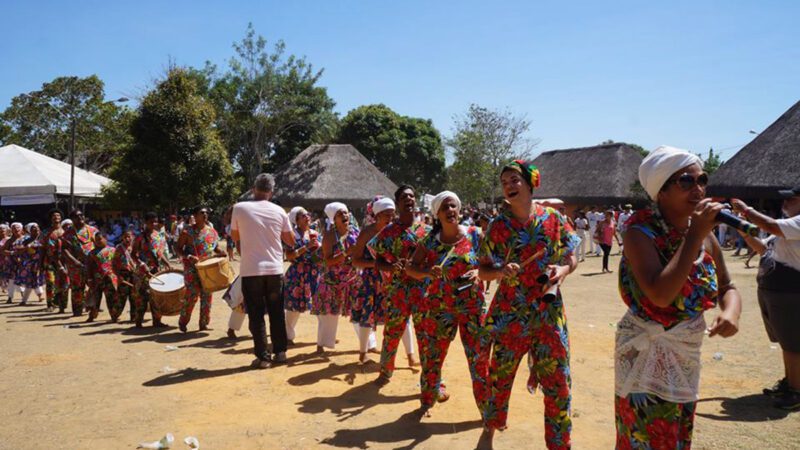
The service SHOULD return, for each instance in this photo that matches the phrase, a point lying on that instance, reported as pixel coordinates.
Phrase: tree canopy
(41, 120)
(177, 158)
(408, 150)
(268, 103)
(484, 140)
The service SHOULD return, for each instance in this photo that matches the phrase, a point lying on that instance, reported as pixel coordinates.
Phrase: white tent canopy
(27, 177)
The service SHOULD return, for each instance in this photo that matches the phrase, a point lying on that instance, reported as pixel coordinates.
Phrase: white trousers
(27, 294)
(291, 322)
(327, 324)
(237, 320)
(366, 338)
(12, 288)
(409, 340)
(582, 247)
(594, 246)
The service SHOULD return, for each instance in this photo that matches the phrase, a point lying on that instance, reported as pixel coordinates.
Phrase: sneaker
(778, 389)
(259, 363)
(280, 357)
(790, 400)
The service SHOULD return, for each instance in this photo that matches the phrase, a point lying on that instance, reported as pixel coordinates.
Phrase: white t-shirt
(787, 248)
(581, 224)
(260, 224)
(623, 217)
(594, 218)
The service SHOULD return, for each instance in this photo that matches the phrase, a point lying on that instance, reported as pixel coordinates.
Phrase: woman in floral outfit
(672, 270)
(303, 276)
(197, 243)
(528, 248)
(30, 275)
(448, 257)
(340, 279)
(369, 306)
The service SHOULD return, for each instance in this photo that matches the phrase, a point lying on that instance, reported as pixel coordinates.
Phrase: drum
(215, 274)
(167, 291)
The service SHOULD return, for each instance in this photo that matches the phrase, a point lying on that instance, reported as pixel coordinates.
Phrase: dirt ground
(70, 385)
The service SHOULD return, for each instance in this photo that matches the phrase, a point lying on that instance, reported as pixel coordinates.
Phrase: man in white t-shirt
(259, 228)
(594, 217)
(581, 227)
(622, 226)
(779, 291)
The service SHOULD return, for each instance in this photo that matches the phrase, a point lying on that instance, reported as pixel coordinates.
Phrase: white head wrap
(659, 165)
(296, 211)
(437, 201)
(382, 205)
(16, 225)
(332, 208)
(29, 226)
(66, 222)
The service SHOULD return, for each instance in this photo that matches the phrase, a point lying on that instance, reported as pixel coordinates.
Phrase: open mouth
(512, 194)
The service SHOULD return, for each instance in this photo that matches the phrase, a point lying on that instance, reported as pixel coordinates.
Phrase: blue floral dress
(368, 306)
(302, 278)
(339, 283)
(30, 272)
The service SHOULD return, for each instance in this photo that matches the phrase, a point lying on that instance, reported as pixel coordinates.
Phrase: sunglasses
(687, 182)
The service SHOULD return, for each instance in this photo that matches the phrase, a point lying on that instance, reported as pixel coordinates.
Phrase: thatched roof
(603, 174)
(322, 174)
(769, 162)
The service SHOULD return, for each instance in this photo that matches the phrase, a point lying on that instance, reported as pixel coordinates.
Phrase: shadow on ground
(748, 408)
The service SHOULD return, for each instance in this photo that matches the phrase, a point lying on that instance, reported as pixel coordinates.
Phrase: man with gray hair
(259, 228)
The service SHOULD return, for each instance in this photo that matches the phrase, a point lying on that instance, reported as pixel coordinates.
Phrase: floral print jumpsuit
(403, 294)
(102, 281)
(646, 421)
(56, 280)
(519, 321)
(202, 243)
(125, 270)
(150, 252)
(30, 274)
(79, 243)
(452, 305)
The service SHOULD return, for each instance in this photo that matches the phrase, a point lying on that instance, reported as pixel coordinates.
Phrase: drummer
(149, 255)
(197, 243)
(101, 278)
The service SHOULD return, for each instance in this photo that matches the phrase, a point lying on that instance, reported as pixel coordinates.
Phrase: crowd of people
(424, 279)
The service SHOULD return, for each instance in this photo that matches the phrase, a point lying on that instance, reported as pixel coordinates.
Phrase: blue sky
(690, 74)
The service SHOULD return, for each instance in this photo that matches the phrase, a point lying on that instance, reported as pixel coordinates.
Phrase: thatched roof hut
(322, 174)
(769, 162)
(599, 175)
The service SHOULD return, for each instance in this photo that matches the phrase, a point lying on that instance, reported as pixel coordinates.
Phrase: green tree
(483, 142)
(408, 150)
(712, 162)
(177, 158)
(41, 121)
(269, 106)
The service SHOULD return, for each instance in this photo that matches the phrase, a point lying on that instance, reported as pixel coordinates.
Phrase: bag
(776, 276)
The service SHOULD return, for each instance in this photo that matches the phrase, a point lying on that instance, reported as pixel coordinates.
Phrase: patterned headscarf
(369, 215)
(529, 172)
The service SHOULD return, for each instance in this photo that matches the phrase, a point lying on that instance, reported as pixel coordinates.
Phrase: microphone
(728, 218)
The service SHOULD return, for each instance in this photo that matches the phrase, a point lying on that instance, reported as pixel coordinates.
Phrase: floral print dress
(520, 322)
(302, 278)
(369, 309)
(339, 283)
(125, 270)
(149, 251)
(30, 273)
(644, 420)
(453, 304)
(403, 294)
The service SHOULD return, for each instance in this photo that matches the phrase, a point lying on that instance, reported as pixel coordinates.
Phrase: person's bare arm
(358, 249)
(327, 250)
(662, 283)
(762, 221)
(726, 324)
(418, 269)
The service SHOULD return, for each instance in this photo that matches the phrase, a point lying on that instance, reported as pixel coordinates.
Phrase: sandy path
(102, 385)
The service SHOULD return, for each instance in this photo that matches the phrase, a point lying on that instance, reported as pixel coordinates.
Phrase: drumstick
(531, 259)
